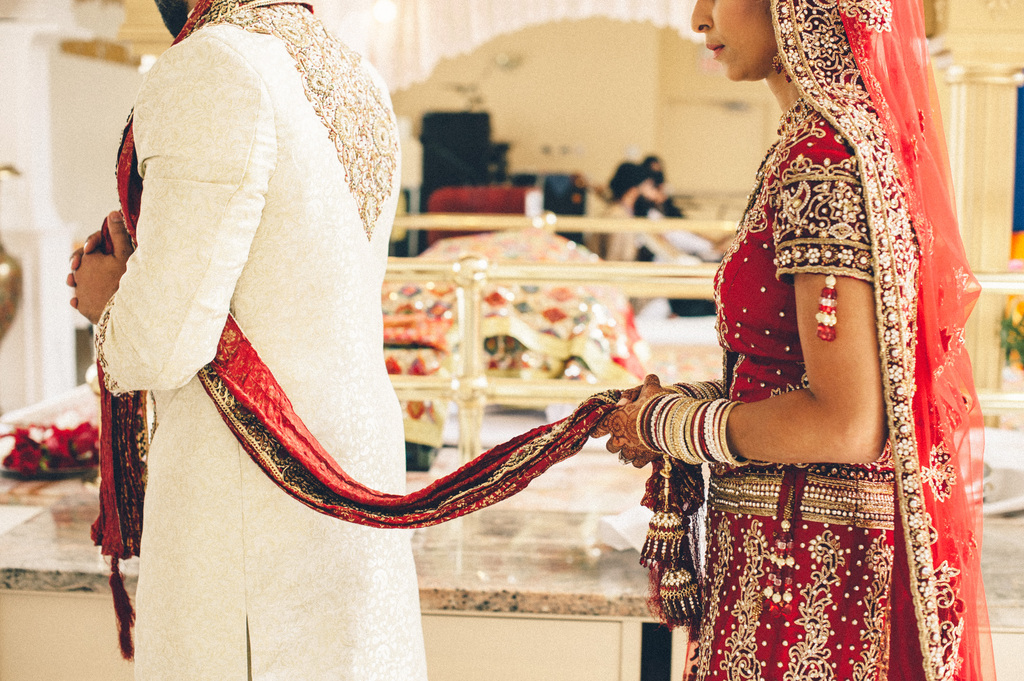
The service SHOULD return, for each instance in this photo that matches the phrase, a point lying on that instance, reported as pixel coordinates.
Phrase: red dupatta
(864, 65)
(255, 408)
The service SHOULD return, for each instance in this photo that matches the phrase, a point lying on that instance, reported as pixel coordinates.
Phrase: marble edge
(531, 603)
(435, 599)
(58, 581)
(432, 599)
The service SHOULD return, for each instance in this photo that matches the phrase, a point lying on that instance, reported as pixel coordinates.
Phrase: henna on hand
(621, 424)
(638, 456)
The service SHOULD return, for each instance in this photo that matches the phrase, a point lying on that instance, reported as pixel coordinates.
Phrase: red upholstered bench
(494, 200)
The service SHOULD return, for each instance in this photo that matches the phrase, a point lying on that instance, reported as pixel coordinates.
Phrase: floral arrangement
(51, 450)
(1012, 332)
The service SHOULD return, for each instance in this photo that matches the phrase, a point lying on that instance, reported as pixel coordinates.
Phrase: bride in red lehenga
(843, 510)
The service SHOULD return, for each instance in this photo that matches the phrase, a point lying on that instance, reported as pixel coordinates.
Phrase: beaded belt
(863, 498)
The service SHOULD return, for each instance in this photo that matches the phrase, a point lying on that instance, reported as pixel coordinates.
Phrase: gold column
(982, 136)
(983, 43)
(470, 380)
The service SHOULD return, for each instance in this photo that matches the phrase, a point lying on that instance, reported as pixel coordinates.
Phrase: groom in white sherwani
(263, 200)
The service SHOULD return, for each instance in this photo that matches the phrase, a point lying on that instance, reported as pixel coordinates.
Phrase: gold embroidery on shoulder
(809, 657)
(821, 224)
(344, 96)
(874, 662)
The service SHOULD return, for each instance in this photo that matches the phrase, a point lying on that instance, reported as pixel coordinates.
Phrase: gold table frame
(469, 386)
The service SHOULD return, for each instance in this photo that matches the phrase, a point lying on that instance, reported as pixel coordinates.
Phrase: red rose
(28, 453)
(12, 460)
(55, 440)
(85, 444)
(55, 450)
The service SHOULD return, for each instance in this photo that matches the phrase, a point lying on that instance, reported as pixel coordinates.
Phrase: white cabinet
(468, 647)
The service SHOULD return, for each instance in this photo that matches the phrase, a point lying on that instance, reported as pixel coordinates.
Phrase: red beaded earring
(827, 311)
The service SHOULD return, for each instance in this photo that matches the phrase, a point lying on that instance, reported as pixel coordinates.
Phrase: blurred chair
(503, 200)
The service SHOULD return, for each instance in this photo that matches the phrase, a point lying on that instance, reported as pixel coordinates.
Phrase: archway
(421, 33)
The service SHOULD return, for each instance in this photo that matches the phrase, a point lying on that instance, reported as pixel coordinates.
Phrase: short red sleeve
(820, 224)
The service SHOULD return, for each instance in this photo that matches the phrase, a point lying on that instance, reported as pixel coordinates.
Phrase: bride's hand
(621, 424)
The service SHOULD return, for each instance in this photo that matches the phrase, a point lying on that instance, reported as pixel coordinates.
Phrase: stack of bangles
(688, 426)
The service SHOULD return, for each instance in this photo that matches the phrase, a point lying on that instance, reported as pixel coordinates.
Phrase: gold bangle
(641, 418)
(679, 446)
(723, 439)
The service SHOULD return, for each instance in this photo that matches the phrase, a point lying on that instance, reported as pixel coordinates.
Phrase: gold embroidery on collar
(875, 14)
(219, 9)
(343, 94)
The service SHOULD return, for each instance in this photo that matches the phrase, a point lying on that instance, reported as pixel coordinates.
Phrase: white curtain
(423, 32)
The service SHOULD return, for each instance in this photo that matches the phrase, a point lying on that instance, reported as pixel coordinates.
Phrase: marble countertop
(536, 553)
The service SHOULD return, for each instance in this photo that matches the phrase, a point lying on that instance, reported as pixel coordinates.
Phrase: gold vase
(10, 290)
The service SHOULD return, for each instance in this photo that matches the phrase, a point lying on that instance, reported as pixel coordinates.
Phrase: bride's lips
(715, 49)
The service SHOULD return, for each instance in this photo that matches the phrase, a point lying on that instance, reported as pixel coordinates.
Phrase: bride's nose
(700, 21)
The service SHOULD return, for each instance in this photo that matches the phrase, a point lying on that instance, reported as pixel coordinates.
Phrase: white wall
(588, 93)
(91, 100)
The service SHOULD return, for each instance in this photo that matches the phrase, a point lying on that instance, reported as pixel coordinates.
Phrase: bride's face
(740, 34)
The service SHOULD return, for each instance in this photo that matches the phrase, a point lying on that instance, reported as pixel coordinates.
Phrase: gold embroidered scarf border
(459, 497)
(817, 54)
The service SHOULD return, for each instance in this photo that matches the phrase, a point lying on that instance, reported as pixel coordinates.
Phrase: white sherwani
(246, 208)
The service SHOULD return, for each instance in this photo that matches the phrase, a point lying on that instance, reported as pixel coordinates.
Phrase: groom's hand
(95, 273)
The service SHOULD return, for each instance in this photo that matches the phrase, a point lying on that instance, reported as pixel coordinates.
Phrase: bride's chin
(734, 74)
(740, 76)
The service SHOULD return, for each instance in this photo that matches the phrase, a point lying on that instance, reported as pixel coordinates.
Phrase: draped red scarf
(262, 418)
(865, 66)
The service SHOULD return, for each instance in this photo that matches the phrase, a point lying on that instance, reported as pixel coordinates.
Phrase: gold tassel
(665, 537)
(667, 553)
(680, 600)
(666, 534)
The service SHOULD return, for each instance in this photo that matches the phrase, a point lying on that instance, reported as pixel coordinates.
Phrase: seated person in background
(679, 247)
(662, 204)
(630, 182)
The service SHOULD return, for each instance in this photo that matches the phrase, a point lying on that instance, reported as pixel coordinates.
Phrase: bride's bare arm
(840, 416)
